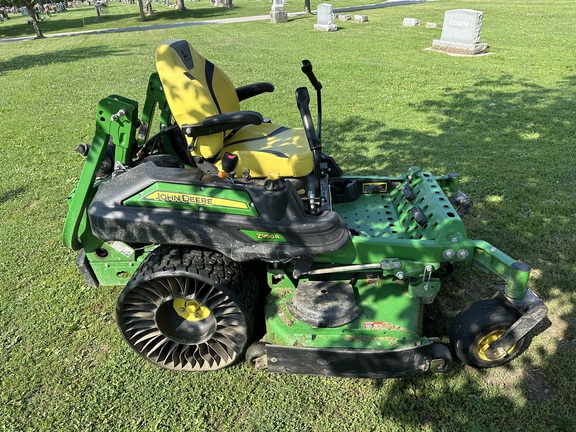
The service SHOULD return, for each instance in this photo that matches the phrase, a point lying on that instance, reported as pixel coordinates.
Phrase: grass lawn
(118, 15)
(505, 122)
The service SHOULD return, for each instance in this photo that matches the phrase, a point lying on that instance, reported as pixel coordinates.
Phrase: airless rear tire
(188, 309)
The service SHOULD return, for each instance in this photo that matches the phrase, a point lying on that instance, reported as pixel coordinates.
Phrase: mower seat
(206, 106)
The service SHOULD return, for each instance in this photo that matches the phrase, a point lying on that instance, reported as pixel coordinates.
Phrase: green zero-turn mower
(236, 237)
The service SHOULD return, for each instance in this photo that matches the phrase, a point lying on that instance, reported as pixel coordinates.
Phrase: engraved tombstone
(278, 13)
(461, 32)
(325, 20)
(411, 22)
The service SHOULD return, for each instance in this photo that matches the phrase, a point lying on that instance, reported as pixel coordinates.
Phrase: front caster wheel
(256, 356)
(187, 309)
(480, 325)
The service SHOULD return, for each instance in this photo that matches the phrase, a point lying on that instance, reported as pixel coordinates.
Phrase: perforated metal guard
(371, 215)
(390, 215)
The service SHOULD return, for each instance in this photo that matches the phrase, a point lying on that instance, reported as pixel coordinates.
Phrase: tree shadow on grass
(66, 22)
(513, 143)
(471, 400)
(26, 61)
(11, 194)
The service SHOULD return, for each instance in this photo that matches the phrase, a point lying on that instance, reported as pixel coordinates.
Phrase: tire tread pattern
(235, 280)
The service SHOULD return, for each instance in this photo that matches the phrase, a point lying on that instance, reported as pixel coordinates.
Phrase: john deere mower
(235, 237)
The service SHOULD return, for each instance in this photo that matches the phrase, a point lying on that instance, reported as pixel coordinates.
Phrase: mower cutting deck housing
(238, 237)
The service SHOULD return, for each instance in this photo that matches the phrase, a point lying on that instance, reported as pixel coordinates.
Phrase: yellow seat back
(195, 89)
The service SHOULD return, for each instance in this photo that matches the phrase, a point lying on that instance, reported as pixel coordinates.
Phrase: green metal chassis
(392, 259)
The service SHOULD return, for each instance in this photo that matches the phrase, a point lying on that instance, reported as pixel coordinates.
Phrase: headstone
(278, 13)
(461, 33)
(432, 25)
(344, 17)
(325, 20)
(411, 22)
(222, 3)
(25, 12)
(361, 18)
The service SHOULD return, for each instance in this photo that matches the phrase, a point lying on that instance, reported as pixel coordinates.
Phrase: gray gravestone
(344, 17)
(361, 18)
(325, 20)
(461, 33)
(278, 13)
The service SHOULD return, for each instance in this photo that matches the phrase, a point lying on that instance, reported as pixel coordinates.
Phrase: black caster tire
(478, 326)
(188, 309)
(255, 354)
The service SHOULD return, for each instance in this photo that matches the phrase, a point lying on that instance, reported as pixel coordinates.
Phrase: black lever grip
(303, 100)
(302, 97)
(307, 69)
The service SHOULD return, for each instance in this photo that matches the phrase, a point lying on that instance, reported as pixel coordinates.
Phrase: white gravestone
(278, 13)
(411, 22)
(325, 20)
(461, 33)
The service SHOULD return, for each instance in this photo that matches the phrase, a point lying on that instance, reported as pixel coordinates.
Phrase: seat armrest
(251, 90)
(223, 122)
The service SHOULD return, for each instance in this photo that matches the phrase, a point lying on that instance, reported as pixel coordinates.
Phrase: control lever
(303, 101)
(307, 69)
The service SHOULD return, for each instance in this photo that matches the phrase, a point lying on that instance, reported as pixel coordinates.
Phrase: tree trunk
(180, 5)
(36, 25)
(141, 7)
(32, 14)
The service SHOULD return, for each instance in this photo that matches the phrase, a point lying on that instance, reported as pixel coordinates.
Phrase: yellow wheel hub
(190, 310)
(488, 340)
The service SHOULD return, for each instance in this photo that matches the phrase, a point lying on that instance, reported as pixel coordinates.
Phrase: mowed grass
(505, 122)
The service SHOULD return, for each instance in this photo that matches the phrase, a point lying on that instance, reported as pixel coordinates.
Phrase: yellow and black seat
(206, 106)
